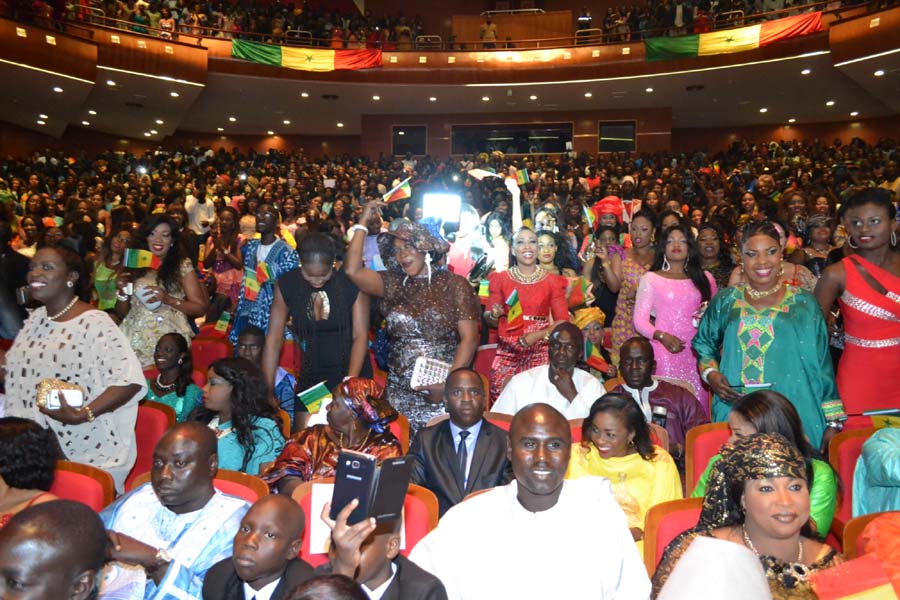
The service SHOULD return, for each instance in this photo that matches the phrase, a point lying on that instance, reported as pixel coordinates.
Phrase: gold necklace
(358, 446)
(757, 294)
(517, 275)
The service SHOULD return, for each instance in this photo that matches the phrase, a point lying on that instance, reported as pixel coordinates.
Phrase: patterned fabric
(623, 322)
(312, 454)
(363, 398)
(586, 316)
(422, 240)
(281, 259)
(228, 278)
(88, 350)
(144, 327)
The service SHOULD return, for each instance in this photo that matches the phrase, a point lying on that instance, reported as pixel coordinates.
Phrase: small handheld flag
(222, 323)
(589, 217)
(862, 578)
(484, 289)
(593, 358)
(314, 397)
(522, 176)
(251, 284)
(140, 259)
(577, 291)
(263, 273)
(480, 174)
(401, 191)
(514, 317)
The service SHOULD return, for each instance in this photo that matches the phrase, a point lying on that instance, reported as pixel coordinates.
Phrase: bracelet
(547, 335)
(657, 335)
(605, 263)
(358, 227)
(705, 374)
(90, 413)
(835, 425)
(122, 297)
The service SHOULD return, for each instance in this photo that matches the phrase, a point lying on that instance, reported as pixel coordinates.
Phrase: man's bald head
(197, 432)
(185, 462)
(540, 443)
(566, 346)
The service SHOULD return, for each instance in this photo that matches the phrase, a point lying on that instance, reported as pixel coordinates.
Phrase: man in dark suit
(264, 565)
(464, 453)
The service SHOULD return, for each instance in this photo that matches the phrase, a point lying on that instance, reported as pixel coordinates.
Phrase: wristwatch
(162, 558)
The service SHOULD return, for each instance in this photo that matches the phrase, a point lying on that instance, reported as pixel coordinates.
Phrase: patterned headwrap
(364, 399)
(420, 238)
(758, 456)
(610, 205)
(586, 316)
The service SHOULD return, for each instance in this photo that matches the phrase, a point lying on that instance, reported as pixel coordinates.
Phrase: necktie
(462, 454)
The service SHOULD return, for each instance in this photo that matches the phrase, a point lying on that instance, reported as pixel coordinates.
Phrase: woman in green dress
(173, 384)
(766, 334)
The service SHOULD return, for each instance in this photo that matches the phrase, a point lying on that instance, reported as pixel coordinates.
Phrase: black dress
(326, 343)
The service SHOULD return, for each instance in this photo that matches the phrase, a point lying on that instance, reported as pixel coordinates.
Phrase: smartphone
(393, 482)
(354, 478)
(74, 398)
(444, 208)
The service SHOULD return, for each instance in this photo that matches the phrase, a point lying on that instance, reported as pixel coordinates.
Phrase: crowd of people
(629, 298)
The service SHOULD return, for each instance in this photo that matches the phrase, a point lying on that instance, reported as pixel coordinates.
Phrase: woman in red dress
(523, 344)
(866, 285)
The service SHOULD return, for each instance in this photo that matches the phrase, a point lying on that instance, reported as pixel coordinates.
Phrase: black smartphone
(390, 492)
(355, 477)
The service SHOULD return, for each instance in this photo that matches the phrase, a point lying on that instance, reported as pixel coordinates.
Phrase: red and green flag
(514, 316)
(399, 192)
(727, 41)
(522, 176)
(222, 323)
(484, 290)
(594, 358)
(577, 291)
(313, 398)
(263, 272)
(136, 258)
(588, 216)
(306, 59)
(862, 578)
(251, 284)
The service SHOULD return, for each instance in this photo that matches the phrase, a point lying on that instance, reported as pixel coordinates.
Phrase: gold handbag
(50, 385)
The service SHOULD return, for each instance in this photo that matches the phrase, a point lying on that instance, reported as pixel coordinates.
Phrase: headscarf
(882, 536)
(364, 399)
(610, 205)
(758, 456)
(420, 238)
(586, 316)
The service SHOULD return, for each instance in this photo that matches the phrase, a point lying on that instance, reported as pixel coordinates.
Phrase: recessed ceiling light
(270, 132)
(86, 123)
(878, 73)
(232, 119)
(588, 95)
(41, 122)
(58, 90)
(855, 113)
(43, 116)
(432, 99)
(340, 124)
(220, 129)
(806, 71)
(159, 121)
(286, 122)
(829, 103)
(401, 133)
(533, 97)
(376, 98)
(764, 110)
(153, 131)
(110, 83)
(304, 95)
(147, 134)
(792, 120)
(92, 112)
(174, 94)
(486, 98)
(649, 90)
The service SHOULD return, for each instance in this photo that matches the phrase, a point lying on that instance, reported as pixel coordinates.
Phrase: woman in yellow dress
(616, 444)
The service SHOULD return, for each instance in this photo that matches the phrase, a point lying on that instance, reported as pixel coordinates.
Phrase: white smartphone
(74, 398)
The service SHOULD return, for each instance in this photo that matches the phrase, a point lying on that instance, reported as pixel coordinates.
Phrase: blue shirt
(474, 430)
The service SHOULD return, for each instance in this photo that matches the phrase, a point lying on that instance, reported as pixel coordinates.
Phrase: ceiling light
(159, 121)
(764, 110)
(92, 112)
(855, 113)
(805, 71)
(588, 95)
(792, 120)
(486, 98)
(43, 116)
(286, 122)
(432, 99)
(58, 90)
(86, 123)
(40, 122)
(878, 73)
(110, 83)
(401, 133)
(304, 95)
(649, 90)
(232, 119)
(153, 131)
(829, 103)
(533, 97)
(270, 132)
(174, 94)
(146, 134)
(340, 124)
(220, 129)
(376, 98)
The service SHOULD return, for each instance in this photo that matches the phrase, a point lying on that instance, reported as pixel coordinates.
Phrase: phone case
(390, 491)
(429, 371)
(354, 478)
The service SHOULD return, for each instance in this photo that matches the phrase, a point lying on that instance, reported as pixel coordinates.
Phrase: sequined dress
(674, 303)
(422, 320)
(872, 340)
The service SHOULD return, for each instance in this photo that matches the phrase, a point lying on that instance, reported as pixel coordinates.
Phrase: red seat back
(153, 420)
(205, 351)
(484, 358)
(83, 483)
(701, 444)
(236, 489)
(843, 452)
(664, 522)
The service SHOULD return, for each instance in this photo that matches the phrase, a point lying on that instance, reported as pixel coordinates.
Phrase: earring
(781, 269)
(666, 266)
(850, 243)
(180, 361)
(70, 284)
(893, 238)
(428, 265)
(299, 264)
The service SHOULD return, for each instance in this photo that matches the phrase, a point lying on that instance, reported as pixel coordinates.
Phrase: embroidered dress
(785, 346)
(872, 341)
(254, 309)
(623, 322)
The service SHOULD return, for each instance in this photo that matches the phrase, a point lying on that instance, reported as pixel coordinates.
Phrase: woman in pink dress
(622, 276)
(670, 300)
(523, 344)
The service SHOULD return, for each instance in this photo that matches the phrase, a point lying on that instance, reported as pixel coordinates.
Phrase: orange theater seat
(205, 351)
(663, 523)
(420, 516)
(484, 358)
(153, 420)
(501, 420)
(235, 483)
(208, 330)
(843, 452)
(83, 483)
(700, 444)
(854, 529)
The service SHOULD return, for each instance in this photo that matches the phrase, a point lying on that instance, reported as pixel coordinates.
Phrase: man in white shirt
(540, 536)
(201, 211)
(560, 384)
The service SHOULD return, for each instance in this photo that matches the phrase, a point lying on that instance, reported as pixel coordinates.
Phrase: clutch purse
(48, 393)
(428, 371)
